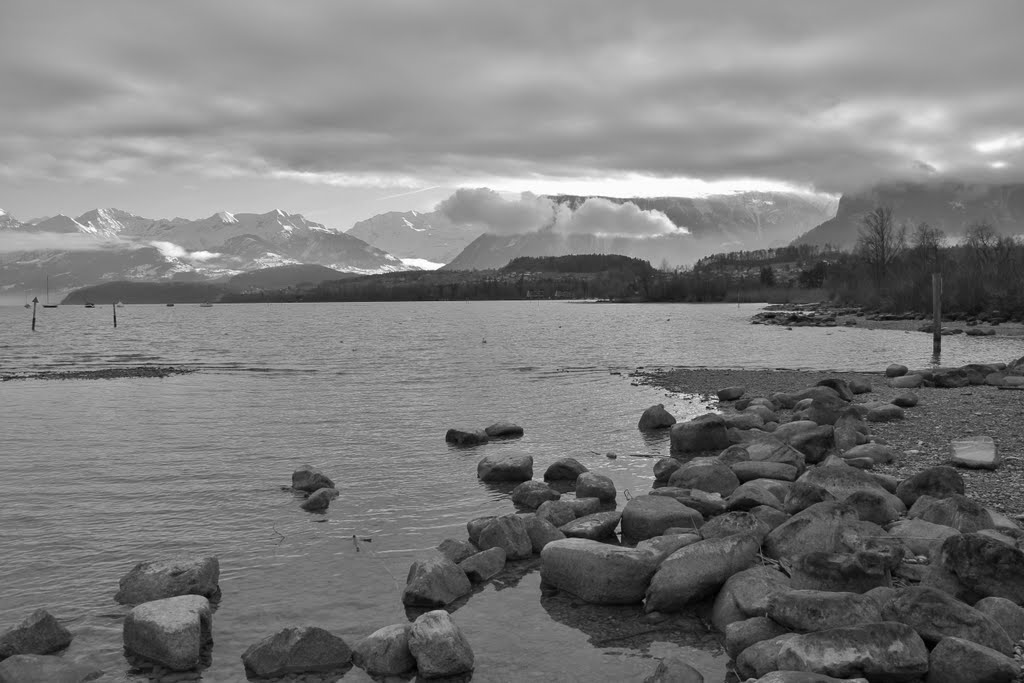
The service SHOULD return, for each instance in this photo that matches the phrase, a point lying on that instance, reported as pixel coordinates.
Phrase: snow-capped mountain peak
(226, 217)
(2, 212)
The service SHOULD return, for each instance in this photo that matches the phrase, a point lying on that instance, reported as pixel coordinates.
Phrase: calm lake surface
(97, 475)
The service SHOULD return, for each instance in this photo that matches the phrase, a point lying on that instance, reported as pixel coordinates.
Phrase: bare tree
(927, 243)
(880, 242)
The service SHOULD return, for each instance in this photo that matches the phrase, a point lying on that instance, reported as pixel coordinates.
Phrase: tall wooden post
(113, 307)
(35, 301)
(937, 315)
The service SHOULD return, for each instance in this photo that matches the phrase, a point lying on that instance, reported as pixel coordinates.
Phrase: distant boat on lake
(168, 304)
(89, 304)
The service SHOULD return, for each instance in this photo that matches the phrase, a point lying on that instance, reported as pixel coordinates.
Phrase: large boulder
(45, 669)
(664, 467)
(306, 649)
(950, 378)
(957, 660)
(319, 500)
(731, 393)
(907, 381)
(732, 523)
(509, 533)
(762, 657)
(475, 526)
(503, 429)
(704, 433)
(841, 481)
(880, 454)
(37, 634)
(434, 581)
(880, 507)
(160, 579)
(982, 567)
(308, 479)
(885, 413)
(531, 494)
(896, 370)
(541, 532)
(597, 573)
(456, 550)
(439, 646)
(656, 417)
(856, 572)
(941, 481)
(803, 495)
(756, 493)
(1006, 613)
(839, 385)
(739, 635)
(921, 537)
(558, 512)
(936, 615)
(171, 632)
(748, 471)
(564, 469)
(707, 504)
(746, 594)
(385, 652)
(811, 610)
(505, 468)
(698, 570)
(829, 528)
(596, 527)
(484, 565)
(976, 452)
(882, 651)
(705, 475)
(466, 437)
(593, 485)
(956, 511)
(644, 517)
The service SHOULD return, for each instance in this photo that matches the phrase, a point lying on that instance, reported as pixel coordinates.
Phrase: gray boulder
(484, 565)
(505, 468)
(656, 417)
(45, 669)
(319, 500)
(906, 399)
(857, 572)
(803, 495)
(466, 437)
(306, 649)
(37, 634)
(644, 517)
(982, 567)
(597, 573)
(385, 652)
(1006, 613)
(541, 532)
(698, 570)
(532, 494)
(739, 635)
(456, 550)
(938, 482)
(811, 610)
(593, 485)
(732, 523)
(664, 467)
(558, 512)
(762, 657)
(880, 507)
(883, 651)
(509, 533)
(705, 433)
(885, 413)
(171, 632)
(921, 537)
(475, 526)
(956, 511)
(731, 393)
(596, 527)
(880, 454)
(907, 381)
(706, 475)
(564, 469)
(308, 478)
(434, 581)
(859, 385)
(958, 660)
(747, 471)
(439, 646)
(896, 370)
(841, 481)
(936, 615)
(746, 594)
(504, 430)
(158, 579)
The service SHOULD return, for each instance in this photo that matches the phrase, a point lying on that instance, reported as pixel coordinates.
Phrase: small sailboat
(48, 304)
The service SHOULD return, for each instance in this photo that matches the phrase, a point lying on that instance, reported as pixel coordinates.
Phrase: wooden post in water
(113, 307)
(35, 301)
(936, 315)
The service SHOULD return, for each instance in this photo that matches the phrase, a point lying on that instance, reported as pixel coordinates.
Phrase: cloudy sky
(341, 110)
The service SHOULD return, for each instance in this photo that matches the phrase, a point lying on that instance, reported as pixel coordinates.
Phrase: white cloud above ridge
(396, 94)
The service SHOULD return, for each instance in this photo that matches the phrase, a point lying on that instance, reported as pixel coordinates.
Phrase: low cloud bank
(486, 209)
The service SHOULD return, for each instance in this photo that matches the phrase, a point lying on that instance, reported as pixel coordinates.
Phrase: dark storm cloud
(803, 91)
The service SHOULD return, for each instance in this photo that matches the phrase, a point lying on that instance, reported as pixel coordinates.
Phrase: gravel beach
(923, 437)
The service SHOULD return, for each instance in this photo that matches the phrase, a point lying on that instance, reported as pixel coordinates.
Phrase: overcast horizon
(340, 111)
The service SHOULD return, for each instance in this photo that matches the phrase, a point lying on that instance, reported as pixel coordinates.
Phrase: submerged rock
(307, 649)
(504, 430)
(564, 469)
(38, 634)
(45, 669)
(463, 437)
(160, 579)
(505, 468)
(656, 417)
(435, 581)
(308, 478)
(320, 500)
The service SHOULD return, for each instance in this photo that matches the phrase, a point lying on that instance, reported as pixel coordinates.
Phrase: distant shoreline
(142, 371)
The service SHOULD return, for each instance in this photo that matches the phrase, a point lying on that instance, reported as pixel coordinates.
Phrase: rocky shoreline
(136, 372)
(825, 314)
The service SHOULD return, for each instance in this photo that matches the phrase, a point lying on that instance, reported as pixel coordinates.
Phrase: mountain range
(110, 244)
(951, 207)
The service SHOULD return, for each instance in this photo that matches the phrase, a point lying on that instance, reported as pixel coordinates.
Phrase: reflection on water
(99, 475)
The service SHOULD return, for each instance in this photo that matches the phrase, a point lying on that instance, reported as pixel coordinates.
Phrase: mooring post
(35, 300)
(113, 307)
(936, 315)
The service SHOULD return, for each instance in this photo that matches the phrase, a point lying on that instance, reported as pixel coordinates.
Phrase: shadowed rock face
(296, 651)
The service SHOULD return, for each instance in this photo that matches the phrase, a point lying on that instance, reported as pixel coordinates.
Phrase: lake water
(96, 475)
